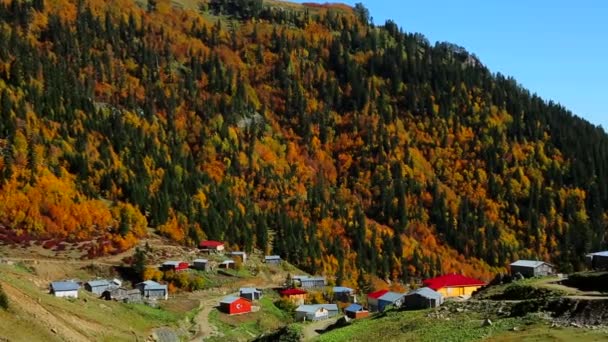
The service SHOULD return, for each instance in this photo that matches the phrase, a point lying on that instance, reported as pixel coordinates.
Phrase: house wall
(200, 266)
(457, 291)
(599, 262)
(66, 294)
(544, 270)
(297, 299)
(382, 304)
(358, 314)
(372, 303)
(162, 294)
(417, 302)
(527, 272)
(97, 289)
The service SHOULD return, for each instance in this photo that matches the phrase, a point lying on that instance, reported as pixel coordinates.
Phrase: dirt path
(310, 330)
(204, 328)
(60, 261)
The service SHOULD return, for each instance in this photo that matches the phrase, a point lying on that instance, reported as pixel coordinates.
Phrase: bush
(3, 299)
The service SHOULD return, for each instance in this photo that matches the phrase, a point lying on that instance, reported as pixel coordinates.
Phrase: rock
(53, 330)
(459, 309)
(515, 329)
(487, 322)
(574, 324)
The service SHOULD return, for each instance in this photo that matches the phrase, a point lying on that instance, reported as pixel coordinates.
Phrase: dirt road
(310, 330)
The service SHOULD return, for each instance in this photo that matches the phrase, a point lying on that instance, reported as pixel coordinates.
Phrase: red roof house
(454, 285)
(235, 305)
(372, 299)
(212, 245)
(175, 266)
(297, 296)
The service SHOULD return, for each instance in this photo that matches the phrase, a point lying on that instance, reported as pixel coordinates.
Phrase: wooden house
(153, 290)
(356, 311)
(235, 305)
(241, 255)
(176, 266)
(200, 264)
(342, 293)
(532, 268)
(97, 286)
(394, 299)
(316, 312)
(598, 260)
(227, 264)
(309, 282)
(272, 259)
(454, 285)
(250, 293)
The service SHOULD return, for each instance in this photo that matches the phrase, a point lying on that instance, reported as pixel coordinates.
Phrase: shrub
(3, 299)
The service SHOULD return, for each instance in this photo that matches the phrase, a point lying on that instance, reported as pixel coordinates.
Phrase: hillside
(350, 149)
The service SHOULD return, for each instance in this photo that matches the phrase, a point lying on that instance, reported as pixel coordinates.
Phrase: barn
(356, 311)
(422, 298)
(454, 285)
(532, 268)
(67, 289)
(372, 299)
(97, 286)
(235, 305)
(153, 290)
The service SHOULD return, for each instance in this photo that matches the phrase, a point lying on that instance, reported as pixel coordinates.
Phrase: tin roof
(64, 286)
(99, 282)
(229, 261)
(231, 299)
(602, 253)
(426, 292)
(272, 257)
(391, 297)
(249, 290)
(211, 244)
(293, 292)
(171, 263)
(529, 263)
(204, 261)
(354, 308)
(451, 280)
(377, 294)
(341, 289)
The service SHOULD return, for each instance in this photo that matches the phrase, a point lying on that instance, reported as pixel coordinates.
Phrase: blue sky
(555, 48)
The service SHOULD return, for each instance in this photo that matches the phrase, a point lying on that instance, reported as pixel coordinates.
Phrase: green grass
(416, 326)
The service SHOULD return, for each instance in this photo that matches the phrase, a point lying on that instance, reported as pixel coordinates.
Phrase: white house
(64, 289)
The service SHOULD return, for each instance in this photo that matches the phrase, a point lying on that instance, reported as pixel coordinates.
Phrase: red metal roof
(293, 292)
(211, 244)
(377, 294)
(451, 280)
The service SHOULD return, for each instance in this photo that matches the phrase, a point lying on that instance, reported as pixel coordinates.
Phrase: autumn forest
(351, 149)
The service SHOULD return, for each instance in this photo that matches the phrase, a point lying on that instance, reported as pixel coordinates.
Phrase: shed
(454, 285)
(332, 309)
(235, 305)
(310, 282)
(200, 264)
(153, 290)
(598, 260)
(97, 286)
(356, 311)
(342, 293)
(238, 254)
(390, 298)
(296, 296)
(212, 246)
(372, 299)
(422, 298)
(227, 264)
(64, 289)
(250, 293)
(272, 259)
(532, 268)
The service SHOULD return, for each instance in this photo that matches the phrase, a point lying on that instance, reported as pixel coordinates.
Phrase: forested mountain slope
(348, 148)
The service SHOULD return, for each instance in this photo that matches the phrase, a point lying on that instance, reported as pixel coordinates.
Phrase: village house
(390, 298)
(235, 305)
(372, 299)
(296, 296)
(176, 266)
(342, 293)
(226, 264)
(153, 290)
(115, 283)
(272, 259)
(212, 246)
(356, 311)
(454, 285)
(250, 293)
(532, 268)
(123, 295)
(241, 255)
(309, 282)
(316, 312)
(200, 264)
(97, 286)
(422, 298)
(67, 289)
(598, 260)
